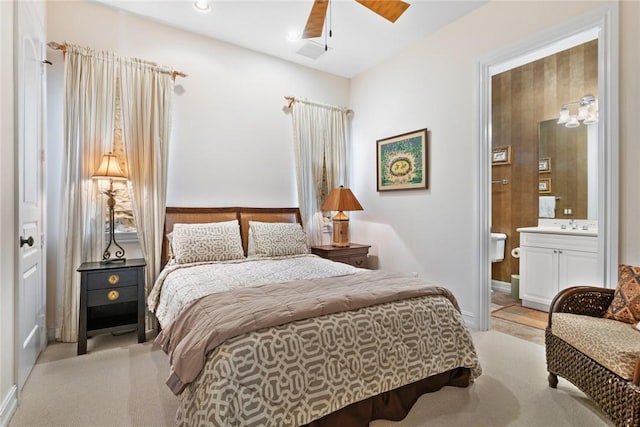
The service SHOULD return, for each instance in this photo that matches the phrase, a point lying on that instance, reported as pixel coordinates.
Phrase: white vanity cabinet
(551, 262)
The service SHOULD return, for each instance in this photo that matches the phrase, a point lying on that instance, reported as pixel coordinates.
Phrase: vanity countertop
(558, 230)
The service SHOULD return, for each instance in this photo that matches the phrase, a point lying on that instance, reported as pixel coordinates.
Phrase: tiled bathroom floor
(501, 299)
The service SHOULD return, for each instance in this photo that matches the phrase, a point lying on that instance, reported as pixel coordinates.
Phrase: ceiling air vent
(312, 50)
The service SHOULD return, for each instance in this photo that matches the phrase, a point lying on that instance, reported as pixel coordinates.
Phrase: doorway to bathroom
(534, 179)
(518, 92)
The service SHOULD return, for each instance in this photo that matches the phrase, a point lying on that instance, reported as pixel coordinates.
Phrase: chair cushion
(625, 305)
(613, 344)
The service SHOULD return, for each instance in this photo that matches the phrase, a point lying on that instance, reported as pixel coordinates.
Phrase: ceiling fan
(388, 9)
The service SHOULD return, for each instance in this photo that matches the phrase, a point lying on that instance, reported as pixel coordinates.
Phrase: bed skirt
(393, 405)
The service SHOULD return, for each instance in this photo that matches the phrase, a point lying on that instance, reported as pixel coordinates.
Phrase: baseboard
(469, 319)
(501, 286)
(8, 407)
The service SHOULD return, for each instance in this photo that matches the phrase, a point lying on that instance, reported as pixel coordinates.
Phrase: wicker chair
(617, 397)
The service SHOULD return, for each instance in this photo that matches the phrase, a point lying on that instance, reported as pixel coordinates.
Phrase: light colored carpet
(523, 315)
(121, 383)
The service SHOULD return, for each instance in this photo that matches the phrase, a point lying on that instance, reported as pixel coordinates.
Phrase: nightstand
(354, 254)
(111, 299)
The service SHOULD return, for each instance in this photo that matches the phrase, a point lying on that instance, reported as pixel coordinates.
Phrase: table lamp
(110, 169)
(341, 199)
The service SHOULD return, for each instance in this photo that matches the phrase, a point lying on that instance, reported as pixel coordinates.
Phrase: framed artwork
(402, 161)
(544, 165)
(544, 186)
(501, 155)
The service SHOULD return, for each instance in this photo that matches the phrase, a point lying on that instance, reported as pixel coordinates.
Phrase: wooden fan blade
(388, 9)
(315, 22)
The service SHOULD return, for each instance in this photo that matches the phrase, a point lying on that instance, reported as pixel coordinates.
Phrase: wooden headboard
(175, 215)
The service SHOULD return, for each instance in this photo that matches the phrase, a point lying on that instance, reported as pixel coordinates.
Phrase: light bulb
(591, 119)
(564, 115)
(573, 122)
(583, 112)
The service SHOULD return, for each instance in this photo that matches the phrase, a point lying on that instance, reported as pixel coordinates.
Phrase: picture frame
(401, 161)
(544, 186)
(544, 165)
(501, 155)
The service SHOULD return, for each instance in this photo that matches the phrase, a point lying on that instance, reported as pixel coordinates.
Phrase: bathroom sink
(559, 230)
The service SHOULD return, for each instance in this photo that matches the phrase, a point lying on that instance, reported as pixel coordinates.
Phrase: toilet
(497, 246)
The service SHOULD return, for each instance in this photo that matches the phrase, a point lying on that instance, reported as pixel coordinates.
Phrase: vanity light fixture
(586, 113)
(202, 5)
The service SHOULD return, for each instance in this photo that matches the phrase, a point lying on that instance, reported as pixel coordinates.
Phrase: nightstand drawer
(356, 261)
(112, 278)
(112, 296)
(355, 254)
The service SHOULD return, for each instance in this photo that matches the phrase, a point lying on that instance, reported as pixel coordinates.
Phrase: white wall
(629, 132)
(232, 142)
(432, 85)
(7, 216)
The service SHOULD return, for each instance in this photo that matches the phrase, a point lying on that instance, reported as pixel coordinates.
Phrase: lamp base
(340, 233)
(106, 255)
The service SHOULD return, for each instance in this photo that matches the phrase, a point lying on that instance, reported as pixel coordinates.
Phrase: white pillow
(216, 241)
(278, 238)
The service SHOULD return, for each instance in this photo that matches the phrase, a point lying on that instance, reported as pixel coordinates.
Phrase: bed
(266, 334)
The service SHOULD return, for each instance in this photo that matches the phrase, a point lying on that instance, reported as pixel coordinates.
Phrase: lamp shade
(341, 199)
(109, 168)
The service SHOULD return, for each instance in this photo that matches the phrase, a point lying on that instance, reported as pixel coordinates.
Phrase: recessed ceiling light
(202, 5)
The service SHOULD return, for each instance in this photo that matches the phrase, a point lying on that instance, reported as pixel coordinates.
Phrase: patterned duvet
(297, 372)
(178, 285)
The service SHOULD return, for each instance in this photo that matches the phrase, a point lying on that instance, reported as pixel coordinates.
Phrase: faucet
(573, 223)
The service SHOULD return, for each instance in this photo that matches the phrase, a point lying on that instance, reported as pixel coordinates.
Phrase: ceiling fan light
(294, 35)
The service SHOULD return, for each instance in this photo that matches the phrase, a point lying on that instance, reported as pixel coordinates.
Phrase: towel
(547, 207)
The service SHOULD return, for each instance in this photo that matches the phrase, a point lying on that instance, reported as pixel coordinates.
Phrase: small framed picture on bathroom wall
(544, 186)
(544, 165)
(501, 155)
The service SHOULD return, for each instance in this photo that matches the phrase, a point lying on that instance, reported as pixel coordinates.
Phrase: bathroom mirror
(568, 168)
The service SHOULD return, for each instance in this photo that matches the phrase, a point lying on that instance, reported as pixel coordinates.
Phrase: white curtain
(89, 103)
(320, 135)
(147, 94)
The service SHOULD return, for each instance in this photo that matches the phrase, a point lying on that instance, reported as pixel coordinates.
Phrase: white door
(30, 130)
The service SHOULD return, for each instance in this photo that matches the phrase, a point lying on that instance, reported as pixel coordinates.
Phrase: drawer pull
(113, 295)
(114, 279)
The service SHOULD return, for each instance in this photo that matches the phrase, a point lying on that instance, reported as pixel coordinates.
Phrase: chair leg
(553, 380)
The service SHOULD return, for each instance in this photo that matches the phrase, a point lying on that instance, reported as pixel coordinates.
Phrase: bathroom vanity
(554, 258)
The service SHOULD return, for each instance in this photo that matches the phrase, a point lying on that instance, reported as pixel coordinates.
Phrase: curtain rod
(293, 99)
(63, 48)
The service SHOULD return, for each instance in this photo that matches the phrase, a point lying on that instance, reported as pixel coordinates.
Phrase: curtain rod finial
(291, 100)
